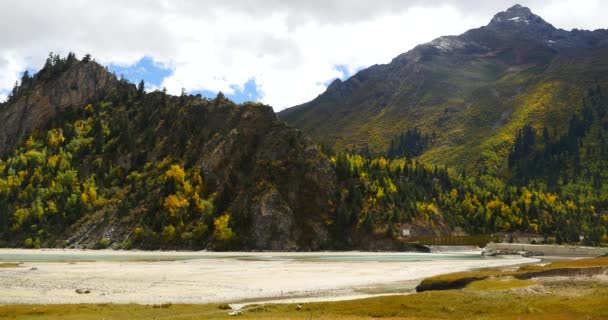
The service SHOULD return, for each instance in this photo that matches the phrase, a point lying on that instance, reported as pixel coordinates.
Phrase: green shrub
(104, 243)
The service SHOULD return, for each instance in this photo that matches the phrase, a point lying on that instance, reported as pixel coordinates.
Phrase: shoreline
(228, 277)
(491, 294)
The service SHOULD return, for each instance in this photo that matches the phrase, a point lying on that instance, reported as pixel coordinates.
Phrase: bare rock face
(273, 223)
(81, 84)
(273, 175)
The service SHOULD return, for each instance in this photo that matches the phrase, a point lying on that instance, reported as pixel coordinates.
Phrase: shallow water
(58, 255)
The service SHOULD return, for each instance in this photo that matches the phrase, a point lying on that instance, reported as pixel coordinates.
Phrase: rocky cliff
(82, 84)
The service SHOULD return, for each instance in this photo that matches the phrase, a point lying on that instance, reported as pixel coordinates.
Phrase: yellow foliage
(494, 204)
(467, 207)
(54, 138)
(52, 161)
(549, 198)
(390, 186)
(380, 194)
(19, 217)
(527, 197)
(427, 209)
(198, 182)
(570, 205)
(30, 142)
(505, 211)
(188, 190)
(173, 204)
(475, 201)
(356, 161)
(380, 162)
(51, 207)
(534, 227)
(138, 233)
(222, 230)
(199, 206)
(14, 181)
(168, 233)
(35, 157)
(454, 193)
(89, 194)
(177, 173)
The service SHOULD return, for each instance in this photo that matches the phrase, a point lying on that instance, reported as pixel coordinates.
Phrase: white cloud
(290, 48)
(11, 66)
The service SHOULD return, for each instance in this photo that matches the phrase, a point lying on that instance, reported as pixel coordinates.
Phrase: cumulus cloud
(291, 49)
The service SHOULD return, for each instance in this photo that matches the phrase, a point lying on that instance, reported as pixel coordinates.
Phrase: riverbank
(499, 297)
(544, 250)
(210, 277)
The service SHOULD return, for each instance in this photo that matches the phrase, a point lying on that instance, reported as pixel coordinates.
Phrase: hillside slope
(91, 160)
(471, 92)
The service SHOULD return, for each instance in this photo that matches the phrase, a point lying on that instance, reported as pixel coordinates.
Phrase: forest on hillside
(92, 163)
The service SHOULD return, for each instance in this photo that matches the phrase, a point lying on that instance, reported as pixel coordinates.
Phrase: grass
(456, 280)
(499, 283)
(468, 278)
(579, 263)
(497, 296)
(9, 265)
(488, 303)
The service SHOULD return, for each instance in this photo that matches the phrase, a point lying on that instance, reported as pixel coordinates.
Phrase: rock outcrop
(81, 84)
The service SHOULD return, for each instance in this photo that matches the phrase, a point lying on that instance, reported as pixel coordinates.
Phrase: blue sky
(154, 74)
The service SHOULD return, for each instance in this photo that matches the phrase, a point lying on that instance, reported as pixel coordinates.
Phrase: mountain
(469, 93)
(89, 160)
(501, 129)
(92, 161)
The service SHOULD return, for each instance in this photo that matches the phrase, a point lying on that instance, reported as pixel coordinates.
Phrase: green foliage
(29, 243)
(92, 162)
(388, 193)
(104, 243)
(133, 161)
(410, 143)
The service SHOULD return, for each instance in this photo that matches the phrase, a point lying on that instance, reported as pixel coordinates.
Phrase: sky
(282, 53)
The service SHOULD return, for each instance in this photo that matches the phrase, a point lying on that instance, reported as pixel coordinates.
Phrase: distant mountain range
(470, 92)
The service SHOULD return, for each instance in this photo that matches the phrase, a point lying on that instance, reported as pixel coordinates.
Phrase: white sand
(217, 277)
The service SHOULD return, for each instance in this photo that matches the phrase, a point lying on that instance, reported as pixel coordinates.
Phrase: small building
(406, 230)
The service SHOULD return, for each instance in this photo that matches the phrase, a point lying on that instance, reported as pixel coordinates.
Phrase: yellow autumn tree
(89, 194)
(173, 204)
(168, 233)
(55, 137)
(222, 230)
(177, 173)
